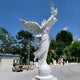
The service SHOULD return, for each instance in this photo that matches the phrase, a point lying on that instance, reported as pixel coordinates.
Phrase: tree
(24, 39)
(64, 36)
(16, 49)
(73, 50)
(76, 49)
(63, 39)
(67, 50)
(6, 41)
(52, 44)
(3, 36)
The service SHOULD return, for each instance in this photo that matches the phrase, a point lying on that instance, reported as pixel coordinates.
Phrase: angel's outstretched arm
(51, 19)
(54, 13)
(49, 22)
(52, 23)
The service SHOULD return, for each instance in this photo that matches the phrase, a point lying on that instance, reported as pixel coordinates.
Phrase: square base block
(50, 77)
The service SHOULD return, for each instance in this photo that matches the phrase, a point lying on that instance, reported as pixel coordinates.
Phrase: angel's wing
(32, 27)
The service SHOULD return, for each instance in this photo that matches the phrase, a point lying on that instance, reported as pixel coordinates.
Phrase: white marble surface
(50, 77)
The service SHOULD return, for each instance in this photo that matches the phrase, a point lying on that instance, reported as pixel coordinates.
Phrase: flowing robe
(41, 53)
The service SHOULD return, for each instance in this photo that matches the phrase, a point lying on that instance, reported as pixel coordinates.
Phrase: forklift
(16, 66)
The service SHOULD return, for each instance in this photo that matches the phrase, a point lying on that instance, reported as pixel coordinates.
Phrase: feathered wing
(32, 27)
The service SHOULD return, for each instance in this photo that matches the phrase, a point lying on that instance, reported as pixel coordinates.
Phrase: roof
(10, 55)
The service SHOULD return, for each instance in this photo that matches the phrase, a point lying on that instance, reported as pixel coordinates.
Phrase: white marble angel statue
(43, 32)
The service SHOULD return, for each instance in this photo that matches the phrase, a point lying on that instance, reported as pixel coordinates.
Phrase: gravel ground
(68, 72)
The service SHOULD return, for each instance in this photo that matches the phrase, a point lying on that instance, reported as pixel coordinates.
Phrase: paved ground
(69, 72)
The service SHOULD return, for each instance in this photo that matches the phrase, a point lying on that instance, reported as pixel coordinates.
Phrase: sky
(37, 10)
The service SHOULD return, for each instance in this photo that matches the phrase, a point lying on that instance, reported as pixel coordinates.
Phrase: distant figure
(67, 61)
(54, 62)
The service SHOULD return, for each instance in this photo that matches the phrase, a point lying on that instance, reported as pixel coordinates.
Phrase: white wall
(7, 61)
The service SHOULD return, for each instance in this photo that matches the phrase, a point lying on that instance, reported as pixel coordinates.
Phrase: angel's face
(43, 22)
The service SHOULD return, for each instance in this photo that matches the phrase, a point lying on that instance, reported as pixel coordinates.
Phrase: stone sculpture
(43, 32)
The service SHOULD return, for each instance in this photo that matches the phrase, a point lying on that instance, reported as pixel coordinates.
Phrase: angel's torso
(45, 39)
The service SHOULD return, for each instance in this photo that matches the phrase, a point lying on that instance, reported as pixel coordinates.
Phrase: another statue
(43, 32)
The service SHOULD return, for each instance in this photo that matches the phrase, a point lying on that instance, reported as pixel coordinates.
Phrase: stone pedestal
(44, 73)
(50, 77)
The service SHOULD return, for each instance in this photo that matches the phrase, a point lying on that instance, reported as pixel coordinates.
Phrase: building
(6, 60)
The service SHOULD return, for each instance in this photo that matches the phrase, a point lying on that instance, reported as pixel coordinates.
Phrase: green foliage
(52, 55)
(3, 34)
(49, 59)
(6, 41)
(3, 31)
(64, 36)
(79, 59)
(73, 50)
(52, 44)
(67, 50)
(63, 39)
(22, 35)
(59, 46)
(55, 56)
(24, 39)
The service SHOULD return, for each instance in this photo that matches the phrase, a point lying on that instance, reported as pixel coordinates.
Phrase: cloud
(79, 39)
(76, 39)
(65, 28)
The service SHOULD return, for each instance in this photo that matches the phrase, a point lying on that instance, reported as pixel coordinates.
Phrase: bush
(49, 59)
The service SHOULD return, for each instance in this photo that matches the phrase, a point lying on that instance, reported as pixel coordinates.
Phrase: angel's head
(43, 22)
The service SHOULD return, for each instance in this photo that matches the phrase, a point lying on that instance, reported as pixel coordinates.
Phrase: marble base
(50, 77)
